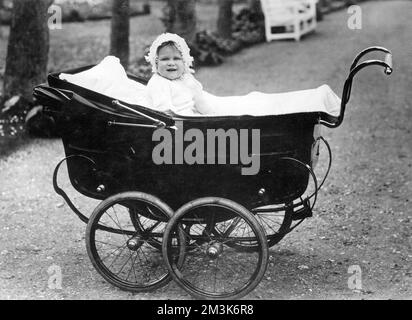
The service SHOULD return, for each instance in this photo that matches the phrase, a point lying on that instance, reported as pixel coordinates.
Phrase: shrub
(248, 27)
(205, 50)
(228, 46)
(73, 16)
(146, 8)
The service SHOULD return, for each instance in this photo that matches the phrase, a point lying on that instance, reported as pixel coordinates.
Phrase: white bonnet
(181, 45)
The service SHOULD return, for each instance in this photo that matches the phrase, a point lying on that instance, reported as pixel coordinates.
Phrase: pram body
(109, 144)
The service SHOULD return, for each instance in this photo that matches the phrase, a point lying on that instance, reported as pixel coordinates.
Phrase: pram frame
(141, 117)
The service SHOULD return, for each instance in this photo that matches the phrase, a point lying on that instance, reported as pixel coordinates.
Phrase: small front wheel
(276, 225)
(212, 268)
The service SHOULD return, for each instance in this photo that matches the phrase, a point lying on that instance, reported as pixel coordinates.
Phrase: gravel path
(362, 217)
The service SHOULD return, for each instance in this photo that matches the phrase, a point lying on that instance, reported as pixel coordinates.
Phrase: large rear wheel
(212, 268)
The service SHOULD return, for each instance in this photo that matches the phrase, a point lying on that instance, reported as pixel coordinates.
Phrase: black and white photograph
(227, 150)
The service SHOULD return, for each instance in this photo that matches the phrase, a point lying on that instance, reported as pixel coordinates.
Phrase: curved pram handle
(354, 69)
(388, 58)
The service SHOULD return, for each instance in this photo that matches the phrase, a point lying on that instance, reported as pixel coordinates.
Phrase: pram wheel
(144, 220)
(212, 268)
(123, 237)
(276, 225)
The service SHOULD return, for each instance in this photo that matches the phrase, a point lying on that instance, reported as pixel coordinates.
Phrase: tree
(224, 21)
(179, 16)
(28, 48)
(256, 9)
(319, 5)
(255, 6)
(120, 29)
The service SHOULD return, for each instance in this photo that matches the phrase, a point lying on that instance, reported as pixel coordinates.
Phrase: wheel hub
(135, 243)
(214, 250)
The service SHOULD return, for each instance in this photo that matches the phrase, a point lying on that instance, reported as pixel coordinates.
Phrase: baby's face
(170, 63)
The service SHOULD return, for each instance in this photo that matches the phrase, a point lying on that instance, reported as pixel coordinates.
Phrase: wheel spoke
(117, 257)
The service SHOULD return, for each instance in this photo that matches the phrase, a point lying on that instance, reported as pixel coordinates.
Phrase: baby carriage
(206, 226)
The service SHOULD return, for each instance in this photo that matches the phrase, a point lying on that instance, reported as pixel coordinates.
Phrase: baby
(172, 88)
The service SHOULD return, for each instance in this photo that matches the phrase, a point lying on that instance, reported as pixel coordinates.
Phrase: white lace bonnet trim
(181, 45)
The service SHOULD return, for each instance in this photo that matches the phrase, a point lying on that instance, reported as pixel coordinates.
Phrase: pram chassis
(194, 223)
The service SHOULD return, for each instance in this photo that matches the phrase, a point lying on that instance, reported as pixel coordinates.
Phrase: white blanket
(110, 78)
(321, 99)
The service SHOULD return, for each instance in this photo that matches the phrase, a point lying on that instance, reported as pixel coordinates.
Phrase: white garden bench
(288, 18)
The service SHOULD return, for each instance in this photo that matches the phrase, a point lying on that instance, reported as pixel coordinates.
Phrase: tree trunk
(224, 21)
(180, 18)
(120, 26)
(319, 12)
(255, 6)
(28, 48)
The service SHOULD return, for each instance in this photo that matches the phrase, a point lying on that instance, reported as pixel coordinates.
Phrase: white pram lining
(110, 78)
